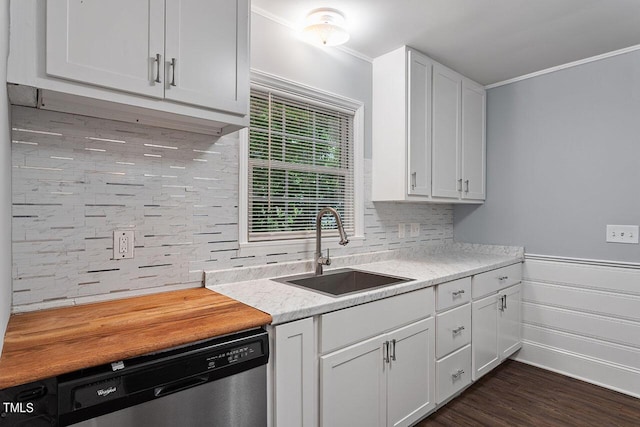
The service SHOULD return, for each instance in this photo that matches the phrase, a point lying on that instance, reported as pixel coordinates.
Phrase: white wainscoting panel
(581, 318)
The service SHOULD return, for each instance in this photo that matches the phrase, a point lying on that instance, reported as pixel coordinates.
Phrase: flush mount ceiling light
(325, 27)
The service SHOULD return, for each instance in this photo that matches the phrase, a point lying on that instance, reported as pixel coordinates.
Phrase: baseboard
(601, 373)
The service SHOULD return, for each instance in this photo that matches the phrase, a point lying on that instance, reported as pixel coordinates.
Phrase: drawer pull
(501, 278)
(458, 330)
(458, 292)
(457, 374)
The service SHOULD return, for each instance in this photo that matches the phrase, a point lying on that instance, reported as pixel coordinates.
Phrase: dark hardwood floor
(516, 394)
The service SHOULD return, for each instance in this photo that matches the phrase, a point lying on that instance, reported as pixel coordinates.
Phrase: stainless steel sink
(342, 282)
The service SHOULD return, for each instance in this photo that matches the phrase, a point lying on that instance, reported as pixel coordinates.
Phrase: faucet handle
(328, 260)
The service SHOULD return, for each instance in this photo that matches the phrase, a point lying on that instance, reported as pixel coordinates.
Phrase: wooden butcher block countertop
(47, 343)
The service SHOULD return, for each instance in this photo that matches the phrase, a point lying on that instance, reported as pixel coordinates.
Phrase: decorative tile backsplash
(77, 179)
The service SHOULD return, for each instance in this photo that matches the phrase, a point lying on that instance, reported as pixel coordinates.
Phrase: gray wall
(5, 177)
(276, 49)
(563, 160)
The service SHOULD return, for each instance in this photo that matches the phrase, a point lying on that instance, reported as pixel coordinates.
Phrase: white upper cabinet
(428, 131)
(185, 51)
(402, 126)
(171, 63)
(446, 132)
(419, 140)
(473, 141)
(458, 137)
(111, 44)
(204, 59)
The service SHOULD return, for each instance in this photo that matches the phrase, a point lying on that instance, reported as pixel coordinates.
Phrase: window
(300, 158)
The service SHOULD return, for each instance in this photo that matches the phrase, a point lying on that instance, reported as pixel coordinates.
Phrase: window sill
(298, 246)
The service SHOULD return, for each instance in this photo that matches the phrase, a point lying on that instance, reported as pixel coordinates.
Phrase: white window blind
(300, 160)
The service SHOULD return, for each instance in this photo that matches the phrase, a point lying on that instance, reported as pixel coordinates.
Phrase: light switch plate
(401, 231)
(622, 234)
(415, 229)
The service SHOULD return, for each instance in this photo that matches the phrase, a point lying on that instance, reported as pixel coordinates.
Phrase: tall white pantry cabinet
(428, 131)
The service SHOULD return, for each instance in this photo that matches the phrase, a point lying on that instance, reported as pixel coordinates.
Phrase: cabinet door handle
(460, 184)
(458, 330)
(501, 278)
(158, 62)
(505, 301)
(458, 292)
(503, 304)
(385, 352)
(173, 71)
(457, 374)
(414, 180)
(393, 350)
(466, 183)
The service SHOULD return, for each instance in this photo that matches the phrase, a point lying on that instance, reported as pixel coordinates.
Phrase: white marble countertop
(286, 303)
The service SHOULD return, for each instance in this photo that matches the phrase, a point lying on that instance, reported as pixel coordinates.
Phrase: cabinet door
(484, 335)
(446, 133)
(294, 360)
(107, 43)
(473, 141)
(353, 386)
(411, 376)
(207, 50)
(419, 143)
(509, 323)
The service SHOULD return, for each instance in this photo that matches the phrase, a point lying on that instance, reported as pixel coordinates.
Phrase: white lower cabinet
(453, 373)
(392, 361)
(387, 380)
(496, 329)
(294, 380)
(453, 338)
(509, 321)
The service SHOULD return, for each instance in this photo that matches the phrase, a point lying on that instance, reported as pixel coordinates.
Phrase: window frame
(294, 90)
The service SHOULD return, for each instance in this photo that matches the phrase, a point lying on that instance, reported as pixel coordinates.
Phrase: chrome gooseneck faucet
(320, 260)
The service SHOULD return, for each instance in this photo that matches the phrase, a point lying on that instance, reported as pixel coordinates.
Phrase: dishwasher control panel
(234, 355)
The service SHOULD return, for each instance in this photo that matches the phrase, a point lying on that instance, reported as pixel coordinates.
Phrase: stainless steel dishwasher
(220, 382)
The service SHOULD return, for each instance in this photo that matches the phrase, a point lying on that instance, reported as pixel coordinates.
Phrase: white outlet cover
(415, 229)
(123, 242)
(622, 234)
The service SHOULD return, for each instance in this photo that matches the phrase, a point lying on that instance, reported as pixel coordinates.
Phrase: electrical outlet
(123, 244)
(415, 229)
(401, 232)
(622, 234)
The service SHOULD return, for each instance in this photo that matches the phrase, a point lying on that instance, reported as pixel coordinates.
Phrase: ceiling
(489, 41)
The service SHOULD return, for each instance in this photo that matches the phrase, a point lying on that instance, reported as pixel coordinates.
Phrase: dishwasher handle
(179, 385)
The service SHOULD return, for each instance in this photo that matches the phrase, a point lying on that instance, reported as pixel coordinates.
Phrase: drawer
(343, 327)
(453, 293)
(492, 281)
(453, 373)
(453, 330)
